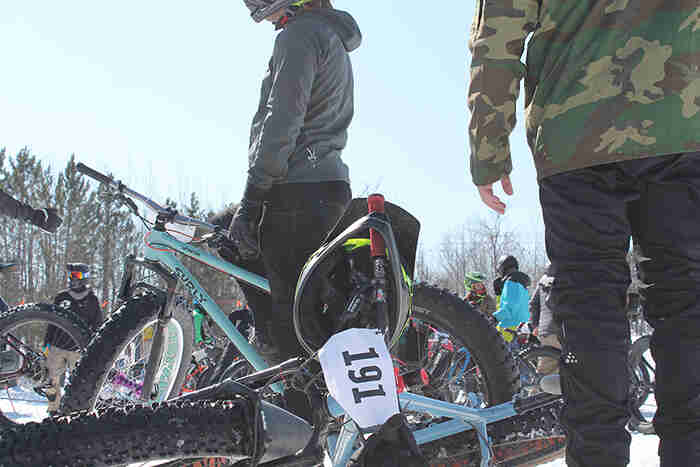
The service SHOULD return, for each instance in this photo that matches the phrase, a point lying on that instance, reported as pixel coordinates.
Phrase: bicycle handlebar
(102, 178)
(92, 173)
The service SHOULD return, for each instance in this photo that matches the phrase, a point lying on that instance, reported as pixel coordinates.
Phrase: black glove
(46, 219)
(244, 228)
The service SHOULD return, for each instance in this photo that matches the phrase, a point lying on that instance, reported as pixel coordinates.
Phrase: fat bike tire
(456, 317)
(46, 314)
(501, 381)
(116, 333)
(137, 434)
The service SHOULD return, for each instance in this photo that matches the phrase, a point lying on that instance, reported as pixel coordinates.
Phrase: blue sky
(161, 93)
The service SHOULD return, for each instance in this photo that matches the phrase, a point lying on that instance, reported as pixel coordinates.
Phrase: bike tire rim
(39, 385)
(165, 377)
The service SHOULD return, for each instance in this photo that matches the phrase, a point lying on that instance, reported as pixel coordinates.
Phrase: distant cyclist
(513, 301)
(80, 299)
(477, 295)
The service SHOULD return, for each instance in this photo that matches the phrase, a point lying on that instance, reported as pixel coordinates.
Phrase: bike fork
(126, 290)
(154, 358)
(158, 347)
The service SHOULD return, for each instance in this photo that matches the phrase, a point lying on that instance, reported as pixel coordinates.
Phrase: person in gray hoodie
(298, 186)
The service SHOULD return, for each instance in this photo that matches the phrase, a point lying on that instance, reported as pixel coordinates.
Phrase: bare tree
(475, 247)
(423, 270)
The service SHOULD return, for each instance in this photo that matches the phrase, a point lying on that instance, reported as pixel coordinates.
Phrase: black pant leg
(587, 237)
(668, 230)
(296, 221)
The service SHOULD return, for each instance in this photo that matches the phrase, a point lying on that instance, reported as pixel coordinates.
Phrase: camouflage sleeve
(497, 40)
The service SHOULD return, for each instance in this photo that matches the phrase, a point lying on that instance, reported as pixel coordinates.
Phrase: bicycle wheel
(162, 432)
(451, 352)
(111, 372)
(527, 365)
(476, 370)
(22, 330)
(642, 379)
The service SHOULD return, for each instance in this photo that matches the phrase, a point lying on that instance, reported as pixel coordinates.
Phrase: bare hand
(490, 199)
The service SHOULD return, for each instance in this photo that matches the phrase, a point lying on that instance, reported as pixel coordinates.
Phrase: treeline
(100, 232)
(96, 230)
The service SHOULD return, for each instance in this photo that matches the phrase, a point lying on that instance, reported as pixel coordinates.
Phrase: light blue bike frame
(341, 448)
(161, 247)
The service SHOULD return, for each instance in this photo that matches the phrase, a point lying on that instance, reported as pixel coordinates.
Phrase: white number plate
(360, 375)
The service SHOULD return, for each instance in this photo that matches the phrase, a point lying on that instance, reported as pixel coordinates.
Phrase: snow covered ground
(25, 406)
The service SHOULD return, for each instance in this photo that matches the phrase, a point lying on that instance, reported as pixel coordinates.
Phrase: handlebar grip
(92, 173)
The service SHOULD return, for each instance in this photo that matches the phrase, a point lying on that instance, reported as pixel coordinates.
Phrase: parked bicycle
(357, 284)
(23, 361)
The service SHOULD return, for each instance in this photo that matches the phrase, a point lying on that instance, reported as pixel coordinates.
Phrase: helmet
(334, 290)
(261, 9)
(472, 278)
(506, 264)
(78, 274)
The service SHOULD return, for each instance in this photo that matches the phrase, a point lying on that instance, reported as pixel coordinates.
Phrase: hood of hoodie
(343, 24)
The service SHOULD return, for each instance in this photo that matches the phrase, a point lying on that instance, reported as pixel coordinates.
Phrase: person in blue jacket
(513, 303)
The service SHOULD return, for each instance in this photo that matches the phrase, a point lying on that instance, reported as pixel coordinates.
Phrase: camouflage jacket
(605, 81)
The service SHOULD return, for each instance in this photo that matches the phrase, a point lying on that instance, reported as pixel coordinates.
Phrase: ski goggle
(261, 9)
(77, 275)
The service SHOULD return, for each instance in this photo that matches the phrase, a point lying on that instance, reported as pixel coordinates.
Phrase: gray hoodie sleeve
(294, 65)
(13, 208)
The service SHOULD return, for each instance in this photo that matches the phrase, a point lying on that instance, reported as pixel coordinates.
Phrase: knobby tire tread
(110, 437)
(91, 370)
(474, 329)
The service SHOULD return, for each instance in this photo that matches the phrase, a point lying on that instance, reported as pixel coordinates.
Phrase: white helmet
(261, 9)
